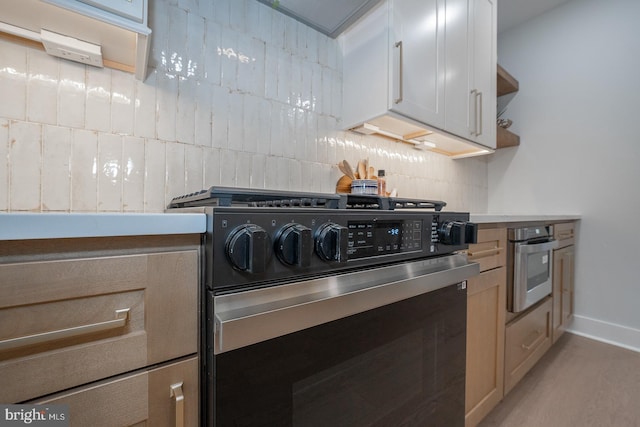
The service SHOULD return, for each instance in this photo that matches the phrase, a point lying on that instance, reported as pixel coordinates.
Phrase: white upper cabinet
(424, 72)
(483, 71)
(470, 102)
(417, 60)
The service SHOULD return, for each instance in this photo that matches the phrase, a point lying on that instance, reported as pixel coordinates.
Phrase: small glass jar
(364, 186)
(382, 183)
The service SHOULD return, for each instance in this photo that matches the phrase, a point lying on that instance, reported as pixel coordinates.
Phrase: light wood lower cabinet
(526, 340)
(77, 312)
(485, 343)
(563, 277)
(163, 396)
(486, 307)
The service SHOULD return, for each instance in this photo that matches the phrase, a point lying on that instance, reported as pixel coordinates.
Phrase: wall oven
(530, 266)
(332, 310)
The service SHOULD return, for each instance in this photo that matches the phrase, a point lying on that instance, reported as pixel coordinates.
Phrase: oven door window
(538, 271)
(402, 364)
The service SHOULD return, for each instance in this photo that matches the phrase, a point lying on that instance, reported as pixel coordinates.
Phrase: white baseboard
(610, 333)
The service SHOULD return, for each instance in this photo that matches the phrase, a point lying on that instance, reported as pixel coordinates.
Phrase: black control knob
(248, 248)
(470, 232)
(332, 241)
(452, 233)
(294, 245)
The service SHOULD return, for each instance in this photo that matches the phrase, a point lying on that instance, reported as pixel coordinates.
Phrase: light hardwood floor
(578, 383)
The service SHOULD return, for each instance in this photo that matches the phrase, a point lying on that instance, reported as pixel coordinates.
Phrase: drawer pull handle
(176, 393)
(538, 336)
(122, 316)
(563, 236)
(486, 252)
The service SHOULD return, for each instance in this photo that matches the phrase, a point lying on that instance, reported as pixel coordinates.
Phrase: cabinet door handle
(537, 335)
(178, 396)
(486, 252)
(479, 113)
(122, 316)
(398, 100)
(473, 102)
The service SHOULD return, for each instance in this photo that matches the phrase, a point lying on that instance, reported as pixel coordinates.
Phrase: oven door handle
(244, 318)
(536, 247)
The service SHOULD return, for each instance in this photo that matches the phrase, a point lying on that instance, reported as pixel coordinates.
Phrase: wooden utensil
(362, 171)
(344, 184)
(348, 170)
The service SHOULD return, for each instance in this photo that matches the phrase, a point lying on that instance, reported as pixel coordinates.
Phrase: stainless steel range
(324, 309)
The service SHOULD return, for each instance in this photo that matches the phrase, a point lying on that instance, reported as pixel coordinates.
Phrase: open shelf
(506, 84)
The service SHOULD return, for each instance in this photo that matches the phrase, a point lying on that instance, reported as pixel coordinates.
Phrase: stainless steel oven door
(381, 346)
(532, 273)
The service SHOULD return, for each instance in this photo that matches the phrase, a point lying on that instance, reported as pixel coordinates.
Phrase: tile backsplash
(237, 94)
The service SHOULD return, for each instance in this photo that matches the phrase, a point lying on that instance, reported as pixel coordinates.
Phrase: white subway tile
(284, 77)
(213, 52)
(282, 174)
(301, 135)
(288, 138)
(263, 29)
(221, 11)
(84, 171)
(145, 107)
(295, 84)
(236, 121)
(252, 128)
(278, 129)
(158, 20)
(251, 66)
(4, 165)
(229, 59)
(228, 168)
(25, 140)
(327, 90)
(271, 72)
(98, 102)
(13, 80)
(193, 168)
(296, 176)
(323, 49)
(122, 102)
(220, 129)
(306, 78)
(244, 162)
(237, 15)
(42, 87)
(133, 169)
(186, 112)
(56, 169)
(203, 114)
(175, 183)
(271, 173)
(166, 106)
(109, 170)
(278, 29)
(211, 167)
(190, 5)
(195, 46)
(316, 88)
(71, 94)
(155, 160)
(177, 43)
(258, 165)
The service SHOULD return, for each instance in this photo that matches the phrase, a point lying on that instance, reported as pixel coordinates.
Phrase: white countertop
(22, 226)
(507, 218)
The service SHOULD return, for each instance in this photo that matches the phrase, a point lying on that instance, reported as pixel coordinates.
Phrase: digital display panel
(373, 238)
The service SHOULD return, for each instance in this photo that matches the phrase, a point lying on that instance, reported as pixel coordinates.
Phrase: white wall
(578, 115)
(238, 95)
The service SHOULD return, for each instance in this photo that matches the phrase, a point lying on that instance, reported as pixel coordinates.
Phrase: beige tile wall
(237, 95)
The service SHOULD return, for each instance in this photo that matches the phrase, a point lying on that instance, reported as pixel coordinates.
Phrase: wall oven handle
(249, 317)
(536, 247)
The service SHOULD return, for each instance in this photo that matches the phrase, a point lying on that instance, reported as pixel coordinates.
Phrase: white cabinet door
(417, 65)
(458, 65)
(484, 64)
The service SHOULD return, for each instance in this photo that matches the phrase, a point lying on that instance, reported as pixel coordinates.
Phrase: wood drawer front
(564, 233)
(491, 249)
(51, 314)
(141, 399)
(526, 341)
